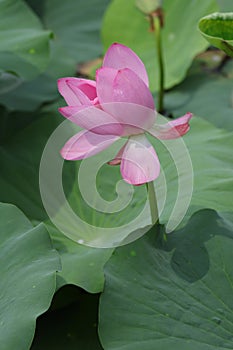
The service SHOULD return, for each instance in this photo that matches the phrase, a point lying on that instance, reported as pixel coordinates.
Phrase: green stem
(152, 201)
(157, 30)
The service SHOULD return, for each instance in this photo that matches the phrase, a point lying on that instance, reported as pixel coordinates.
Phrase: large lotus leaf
(24, 46)
(81, 265)
(206, 92)
(28, 266)
(217, 29)
(124, 23)
(171, 295)
(72, 326)
(76, 26)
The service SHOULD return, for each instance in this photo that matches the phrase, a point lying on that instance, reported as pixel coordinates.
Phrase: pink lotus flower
(118, 104)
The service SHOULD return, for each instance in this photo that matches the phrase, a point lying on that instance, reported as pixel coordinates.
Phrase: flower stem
(157, 31)
(152, 201)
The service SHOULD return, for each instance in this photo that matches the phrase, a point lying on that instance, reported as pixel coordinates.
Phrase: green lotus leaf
(174, 294)
(217, 29)
(24, 44)
(28, 265)
(180, 37)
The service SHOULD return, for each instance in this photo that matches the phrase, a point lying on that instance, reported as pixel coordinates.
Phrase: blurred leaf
(210, 152)
(217, 29)
(76, 25)
(24, 50)
(8, 82)
(37, 6)
(228, 70)
(20, 155)
(225, 5)
(12, 122)
(181, 39)
(30, 94)
(28, 266)
(207, 93)
(171, 295)
(72, 327)
(24, 44)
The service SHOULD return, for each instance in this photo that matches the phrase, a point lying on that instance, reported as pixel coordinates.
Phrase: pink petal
(122, 86)
(119, 56)
(77, 91)
(173, 129)
(88, 87)
(132, 115)
(85, 144)
(134, 118)
(139, 163)
(93, 119)
(104, 84)
(128, 87)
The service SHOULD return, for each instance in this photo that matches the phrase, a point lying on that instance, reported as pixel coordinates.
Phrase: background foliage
(156, 294)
